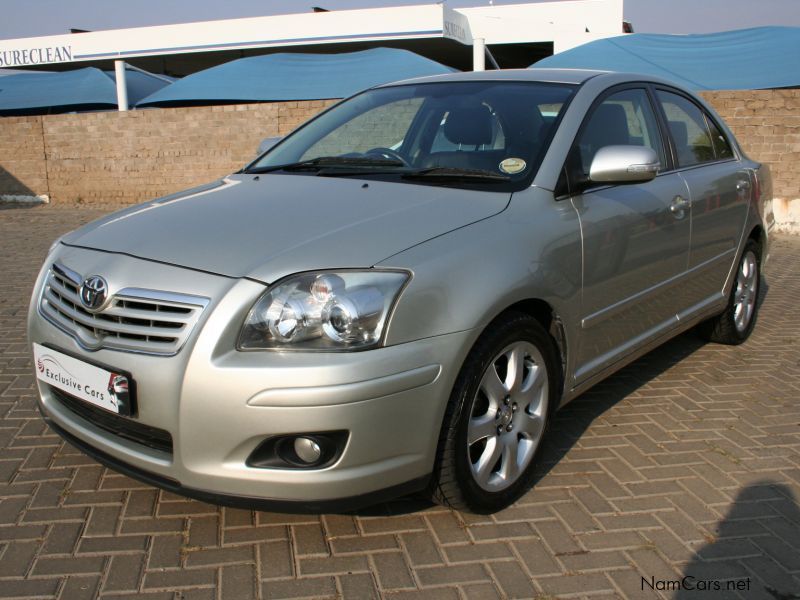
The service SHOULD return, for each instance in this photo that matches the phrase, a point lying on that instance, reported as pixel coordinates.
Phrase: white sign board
(22, 56)
(97, 386)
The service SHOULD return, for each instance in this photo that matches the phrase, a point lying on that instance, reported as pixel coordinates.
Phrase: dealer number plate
(103, 388)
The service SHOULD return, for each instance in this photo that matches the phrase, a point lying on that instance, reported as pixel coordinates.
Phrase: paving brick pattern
(685, 463)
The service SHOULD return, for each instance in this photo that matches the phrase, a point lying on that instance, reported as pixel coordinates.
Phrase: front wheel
(497, 416)
(734, 325)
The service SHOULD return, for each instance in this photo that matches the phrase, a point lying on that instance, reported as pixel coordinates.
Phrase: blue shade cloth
(745, 59)
(81, 89)
(290, 76)
(140, 85)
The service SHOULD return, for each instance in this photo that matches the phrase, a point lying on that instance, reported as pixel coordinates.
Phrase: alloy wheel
(746, 291)
(507, 416)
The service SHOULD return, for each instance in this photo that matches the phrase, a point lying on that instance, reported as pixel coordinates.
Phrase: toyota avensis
(398, 296)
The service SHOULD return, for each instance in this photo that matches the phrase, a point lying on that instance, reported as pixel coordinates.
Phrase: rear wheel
(497, 416)
(736, 322)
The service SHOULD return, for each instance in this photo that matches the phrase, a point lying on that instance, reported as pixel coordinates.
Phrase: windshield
(469, 133)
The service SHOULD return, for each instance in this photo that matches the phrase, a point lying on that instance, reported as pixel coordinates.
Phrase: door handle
(679, 207)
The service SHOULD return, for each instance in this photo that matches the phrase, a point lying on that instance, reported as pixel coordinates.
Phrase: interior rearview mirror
(268, 143)
(624, 164)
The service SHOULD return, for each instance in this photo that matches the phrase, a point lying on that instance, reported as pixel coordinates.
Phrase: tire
(503, 415)
(735, 324)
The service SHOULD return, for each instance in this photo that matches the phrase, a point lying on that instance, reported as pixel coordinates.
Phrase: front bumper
(219, 404)
(246, 502)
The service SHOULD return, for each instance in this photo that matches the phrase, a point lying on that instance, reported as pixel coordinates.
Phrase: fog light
(307, 450)
(302, 450)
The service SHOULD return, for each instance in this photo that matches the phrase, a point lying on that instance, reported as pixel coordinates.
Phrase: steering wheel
(388, 153)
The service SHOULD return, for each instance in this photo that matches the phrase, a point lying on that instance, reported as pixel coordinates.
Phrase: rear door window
(688, 128)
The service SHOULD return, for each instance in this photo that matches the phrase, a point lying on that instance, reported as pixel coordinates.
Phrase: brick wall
(111, 158)
(767, 125)
(22, 157)
(120, 158)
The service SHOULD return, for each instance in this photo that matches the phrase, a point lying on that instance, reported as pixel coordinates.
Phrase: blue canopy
(82, 89)
(757, 58)
(141, 84)
(290, 76)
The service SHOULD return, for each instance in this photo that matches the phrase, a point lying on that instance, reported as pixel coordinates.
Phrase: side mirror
(624, 164)
(268, 143)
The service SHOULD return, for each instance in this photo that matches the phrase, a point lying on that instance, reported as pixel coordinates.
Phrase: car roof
(571, 76)
(566, 76)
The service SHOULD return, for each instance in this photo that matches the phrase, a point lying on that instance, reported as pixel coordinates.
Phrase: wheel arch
(551, 322)
(758, 235)
(444, 486)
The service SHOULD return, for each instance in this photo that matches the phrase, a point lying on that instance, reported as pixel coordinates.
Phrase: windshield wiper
(355, 165)
(451, 173)
(322, 162)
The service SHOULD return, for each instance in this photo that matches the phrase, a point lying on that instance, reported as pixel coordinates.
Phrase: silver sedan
(399, 295)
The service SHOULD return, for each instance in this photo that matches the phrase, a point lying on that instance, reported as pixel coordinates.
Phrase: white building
(514, 35)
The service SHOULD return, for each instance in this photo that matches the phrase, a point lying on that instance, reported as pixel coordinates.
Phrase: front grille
(152, 437)
(138, 320)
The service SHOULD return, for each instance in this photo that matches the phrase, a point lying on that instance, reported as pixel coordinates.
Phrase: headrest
(526, 127)
(680, 133)
(470, 126)
(608, 126)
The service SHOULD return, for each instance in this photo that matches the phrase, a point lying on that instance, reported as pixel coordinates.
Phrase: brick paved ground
(687, 462)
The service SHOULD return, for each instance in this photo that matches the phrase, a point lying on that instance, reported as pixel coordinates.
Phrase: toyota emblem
(94, 292)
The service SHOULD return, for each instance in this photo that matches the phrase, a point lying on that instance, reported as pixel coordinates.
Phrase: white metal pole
(478, 54)
(122, 85)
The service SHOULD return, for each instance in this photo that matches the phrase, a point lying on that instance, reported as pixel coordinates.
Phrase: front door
(635, 239)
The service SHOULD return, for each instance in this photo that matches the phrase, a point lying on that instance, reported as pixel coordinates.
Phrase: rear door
(719, 190)
(635, 236)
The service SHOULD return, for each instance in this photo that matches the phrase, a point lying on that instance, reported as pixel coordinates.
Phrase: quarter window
(689, 129)
(722, 148)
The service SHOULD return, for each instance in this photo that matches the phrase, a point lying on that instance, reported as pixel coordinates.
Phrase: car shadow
(574, 419)
(756, 548)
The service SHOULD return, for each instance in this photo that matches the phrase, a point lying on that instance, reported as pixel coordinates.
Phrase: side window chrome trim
(701, 165)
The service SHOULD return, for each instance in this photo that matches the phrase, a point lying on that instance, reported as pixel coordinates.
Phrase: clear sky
(23, 18)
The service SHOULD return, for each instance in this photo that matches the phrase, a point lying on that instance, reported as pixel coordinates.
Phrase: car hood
(269, 226)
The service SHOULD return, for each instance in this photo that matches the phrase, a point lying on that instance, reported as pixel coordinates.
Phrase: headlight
(333, 311)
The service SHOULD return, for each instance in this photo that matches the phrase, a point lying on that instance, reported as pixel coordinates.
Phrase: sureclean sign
(35, 56)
